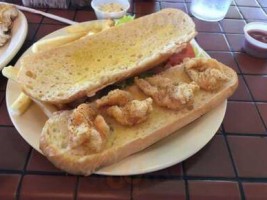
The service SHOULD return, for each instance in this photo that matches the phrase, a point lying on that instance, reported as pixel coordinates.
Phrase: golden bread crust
(83, 67)
(160, 124)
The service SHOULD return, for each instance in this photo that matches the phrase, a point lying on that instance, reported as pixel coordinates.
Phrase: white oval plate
(169, 151)
(18, 36)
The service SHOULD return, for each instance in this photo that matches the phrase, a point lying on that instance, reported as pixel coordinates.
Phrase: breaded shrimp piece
(159, 81)
(88, 130)
(207, 73)
(132, 113)
(172, 96)
(114, 97)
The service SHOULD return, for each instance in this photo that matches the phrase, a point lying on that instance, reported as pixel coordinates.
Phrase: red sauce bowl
(255, 43)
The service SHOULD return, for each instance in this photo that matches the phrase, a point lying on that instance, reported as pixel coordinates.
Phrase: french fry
(75, 32)
(10, 72)
(96, 27)
(23, 102)
(20, 105)
(47, 44)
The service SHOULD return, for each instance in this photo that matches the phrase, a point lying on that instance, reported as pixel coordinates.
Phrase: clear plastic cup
(110, 15)
(210, 10)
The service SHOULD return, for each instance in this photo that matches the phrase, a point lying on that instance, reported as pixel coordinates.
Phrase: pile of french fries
(73, 33)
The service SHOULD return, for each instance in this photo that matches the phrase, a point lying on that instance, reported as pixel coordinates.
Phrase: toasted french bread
(79, 69)
(125, 140)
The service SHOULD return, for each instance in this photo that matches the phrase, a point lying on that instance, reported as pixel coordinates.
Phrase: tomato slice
(177, 58)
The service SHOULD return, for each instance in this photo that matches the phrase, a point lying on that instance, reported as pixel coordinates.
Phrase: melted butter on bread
(83, 67)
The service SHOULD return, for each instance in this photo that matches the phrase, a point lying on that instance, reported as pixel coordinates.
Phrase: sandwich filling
(89, 124)
(207, 73)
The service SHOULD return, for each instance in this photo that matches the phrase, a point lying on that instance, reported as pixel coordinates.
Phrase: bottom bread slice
(124, 140)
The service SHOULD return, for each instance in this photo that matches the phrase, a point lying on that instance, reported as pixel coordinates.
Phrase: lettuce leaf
(124, 19)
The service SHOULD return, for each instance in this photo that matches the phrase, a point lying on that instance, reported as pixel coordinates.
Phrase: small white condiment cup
(252, 46)
(110, 15)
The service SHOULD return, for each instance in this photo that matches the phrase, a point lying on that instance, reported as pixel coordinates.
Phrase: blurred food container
(110, 9)
(255, 42)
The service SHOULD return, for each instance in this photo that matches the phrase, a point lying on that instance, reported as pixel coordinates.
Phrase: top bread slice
(125, 140)
(64, 74)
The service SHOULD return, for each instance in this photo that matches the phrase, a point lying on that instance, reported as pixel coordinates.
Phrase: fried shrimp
(114, 97)
(166, 93)
(133, 112)
(88, 130)
(159, 81)
(207, 73)
(124, 109)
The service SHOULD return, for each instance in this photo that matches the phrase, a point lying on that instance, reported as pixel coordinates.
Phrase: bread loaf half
(127, 140)
(81, 68)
